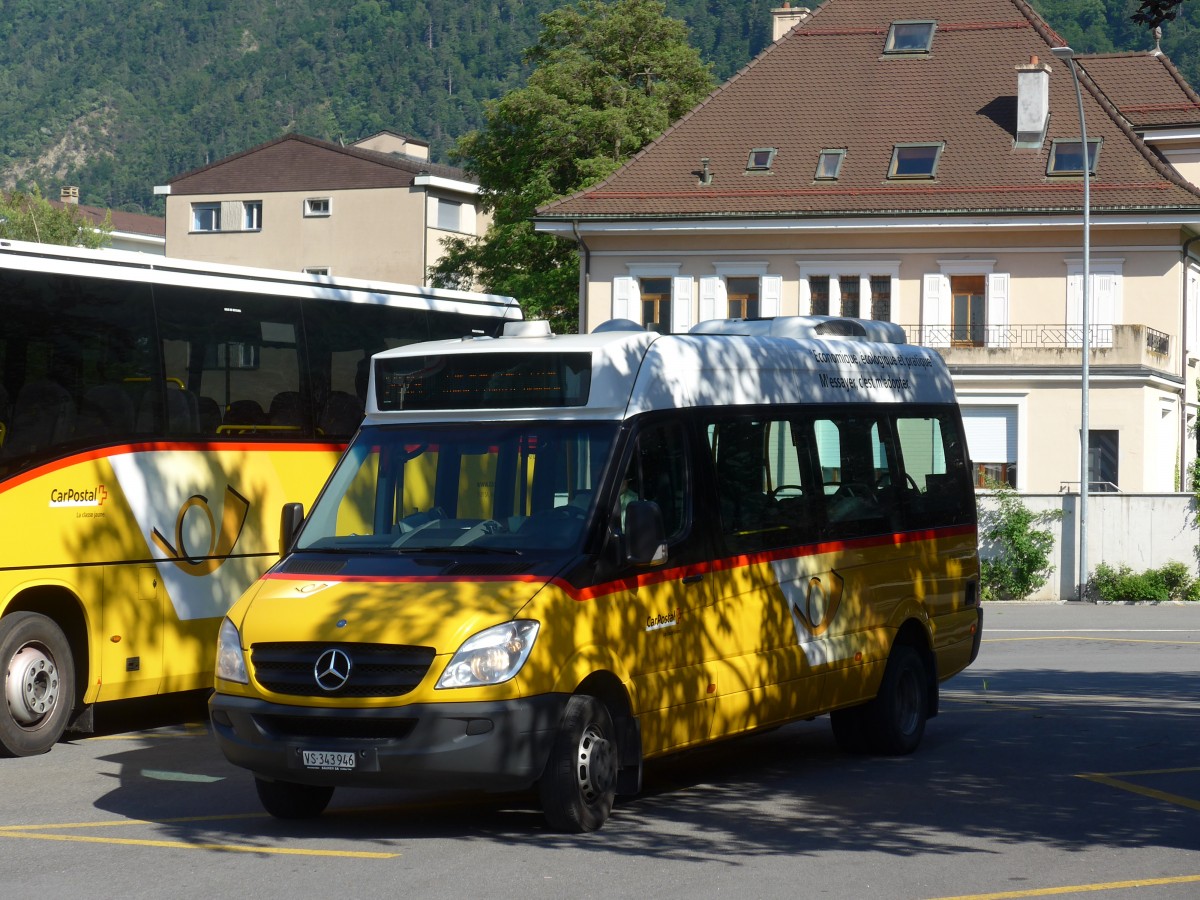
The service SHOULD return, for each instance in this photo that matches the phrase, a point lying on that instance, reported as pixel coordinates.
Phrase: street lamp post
(1067, 54)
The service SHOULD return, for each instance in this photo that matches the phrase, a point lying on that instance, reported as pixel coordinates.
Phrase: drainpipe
(585, 271)
(1184, 360)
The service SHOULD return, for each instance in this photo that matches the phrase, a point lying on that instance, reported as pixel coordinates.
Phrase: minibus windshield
(502, 487)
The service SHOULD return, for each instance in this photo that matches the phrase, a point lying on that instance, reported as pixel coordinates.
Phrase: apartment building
(375, 209)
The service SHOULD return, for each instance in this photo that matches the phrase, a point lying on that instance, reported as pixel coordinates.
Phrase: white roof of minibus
(639, 371)
(124, 265)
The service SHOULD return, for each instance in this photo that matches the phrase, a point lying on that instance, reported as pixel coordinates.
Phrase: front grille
(376, 670)
(363, 728)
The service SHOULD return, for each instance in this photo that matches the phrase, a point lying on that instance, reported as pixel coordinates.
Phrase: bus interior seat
(106, 409)
(208, 414)
(287, 410)
(245, 414)
(43, 415)
(341, 414)
(183, 415)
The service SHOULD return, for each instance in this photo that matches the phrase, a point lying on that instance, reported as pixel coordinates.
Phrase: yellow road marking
(183, 845)
(1152, 793)
(1080, 888)
(37, 833)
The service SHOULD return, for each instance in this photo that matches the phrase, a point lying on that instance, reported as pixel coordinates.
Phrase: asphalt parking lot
(1066, 762)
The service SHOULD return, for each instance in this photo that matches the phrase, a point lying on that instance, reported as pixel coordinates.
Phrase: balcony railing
(1035, 337)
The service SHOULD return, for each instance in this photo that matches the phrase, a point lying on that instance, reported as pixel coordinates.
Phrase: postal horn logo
(221, 542)
(821, 602)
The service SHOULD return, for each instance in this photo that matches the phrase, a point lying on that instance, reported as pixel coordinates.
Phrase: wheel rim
(908, 702)
(596, 764)
(32, 685)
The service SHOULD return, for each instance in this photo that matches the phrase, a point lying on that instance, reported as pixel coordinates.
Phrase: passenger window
(929, 450)
(658, 471)
(766, 491)
(854, 462)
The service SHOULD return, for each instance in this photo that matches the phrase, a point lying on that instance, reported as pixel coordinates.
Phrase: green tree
(608, 78)
(31, 217)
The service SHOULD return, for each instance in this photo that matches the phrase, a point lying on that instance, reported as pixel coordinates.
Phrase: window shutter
(1103, 307)
(709, 289)
(681, 305)
(771, 287)
(935, 307)
(1075, 310)
(625, 299)
(805, 308)
(997, 310)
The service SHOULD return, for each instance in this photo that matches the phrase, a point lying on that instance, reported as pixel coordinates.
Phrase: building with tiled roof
(378, 209)
(130, 231)
(920, 161)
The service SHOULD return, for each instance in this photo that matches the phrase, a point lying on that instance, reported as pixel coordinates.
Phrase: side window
(232, 365)
(766, 491)
(854, 460)
(658, 471)
(936, 482)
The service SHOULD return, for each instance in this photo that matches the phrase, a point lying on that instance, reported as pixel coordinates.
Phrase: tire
(895, 720)
(580, 781)
(39, 684)
(289, 800)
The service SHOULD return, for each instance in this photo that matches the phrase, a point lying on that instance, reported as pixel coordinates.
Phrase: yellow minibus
(545, 559)
(152, 411)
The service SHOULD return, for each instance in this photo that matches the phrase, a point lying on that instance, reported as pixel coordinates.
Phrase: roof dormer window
(1066, 157)
(908, 37)
(829, 165)
(760, 159)
(915, 160)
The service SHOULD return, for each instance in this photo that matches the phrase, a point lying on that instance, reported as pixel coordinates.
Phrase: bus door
(659, 617)
(132, 630)
(774, 597)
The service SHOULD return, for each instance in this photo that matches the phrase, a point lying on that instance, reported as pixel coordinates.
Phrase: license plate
(328, 759)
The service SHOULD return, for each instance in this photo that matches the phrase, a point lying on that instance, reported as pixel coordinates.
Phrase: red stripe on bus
(648, 579)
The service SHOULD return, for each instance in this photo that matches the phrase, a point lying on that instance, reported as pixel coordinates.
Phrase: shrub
(1020, 563)
(1174, 581)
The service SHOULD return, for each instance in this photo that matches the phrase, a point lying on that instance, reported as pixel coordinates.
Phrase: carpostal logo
(670, 620)
(76, 497)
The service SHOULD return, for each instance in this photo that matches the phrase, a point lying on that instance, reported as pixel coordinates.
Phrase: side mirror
(289, 526)
(645, 537)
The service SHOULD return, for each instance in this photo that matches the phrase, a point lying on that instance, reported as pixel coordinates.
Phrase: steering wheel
(569, 511)
(885, 481)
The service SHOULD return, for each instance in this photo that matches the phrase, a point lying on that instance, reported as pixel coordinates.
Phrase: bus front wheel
(39, 684)
(580, 781)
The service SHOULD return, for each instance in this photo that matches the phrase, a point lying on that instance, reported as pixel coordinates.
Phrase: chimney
(787, 17)
(1033, 103)
(69, 194)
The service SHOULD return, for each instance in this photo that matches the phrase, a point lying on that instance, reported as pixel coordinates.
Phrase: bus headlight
(231, 662)
(492, 656)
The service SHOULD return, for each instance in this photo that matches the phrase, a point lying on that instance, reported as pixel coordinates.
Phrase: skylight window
(910, 37)
(1066, 157)
(915, 160)
(760, 159)
(829, 164)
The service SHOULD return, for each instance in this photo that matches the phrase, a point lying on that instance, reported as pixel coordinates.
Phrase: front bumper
(501, 746)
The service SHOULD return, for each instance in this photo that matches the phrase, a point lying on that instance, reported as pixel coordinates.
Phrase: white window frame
(213, 208)
(252, 210)
(714, 289)
(865, 270)
(441, 203)
(1007, 401)
(318, 207)
(627, 298)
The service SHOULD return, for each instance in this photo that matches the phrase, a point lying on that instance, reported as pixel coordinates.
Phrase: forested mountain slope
(119, 95)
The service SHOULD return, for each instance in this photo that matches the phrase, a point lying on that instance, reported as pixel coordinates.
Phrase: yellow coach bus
(544, 559)
(152, 412)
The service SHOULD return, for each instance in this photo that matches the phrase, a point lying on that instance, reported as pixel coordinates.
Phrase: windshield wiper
(446, 548)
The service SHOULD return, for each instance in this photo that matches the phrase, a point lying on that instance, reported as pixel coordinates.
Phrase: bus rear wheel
(894, 722)
(39, 684)
(580, 782)
(289, 800)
